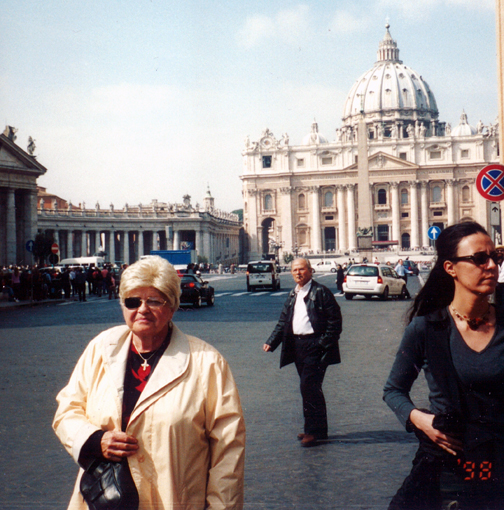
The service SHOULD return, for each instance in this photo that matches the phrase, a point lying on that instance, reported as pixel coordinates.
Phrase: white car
(371, 280)
(262, 274)
(325, 266)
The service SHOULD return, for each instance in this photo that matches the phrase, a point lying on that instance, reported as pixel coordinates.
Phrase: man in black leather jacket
(309, 329)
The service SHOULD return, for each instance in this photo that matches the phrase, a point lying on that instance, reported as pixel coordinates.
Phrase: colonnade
(19, 208)
(343, 217)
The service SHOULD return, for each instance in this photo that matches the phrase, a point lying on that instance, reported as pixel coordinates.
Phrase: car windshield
(260, 268)
(189, 279)
(363, 271)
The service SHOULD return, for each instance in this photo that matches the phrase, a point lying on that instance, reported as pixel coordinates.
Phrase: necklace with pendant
(144, 365)
(475, 323)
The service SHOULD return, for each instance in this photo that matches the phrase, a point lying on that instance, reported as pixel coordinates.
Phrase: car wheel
(348, 296)
(333, 270)
(197, 303)
(368, 296)
(210, 300)
(402, 295)
(385, 294)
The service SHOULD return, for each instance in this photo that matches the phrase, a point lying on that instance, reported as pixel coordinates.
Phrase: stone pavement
(359, 467)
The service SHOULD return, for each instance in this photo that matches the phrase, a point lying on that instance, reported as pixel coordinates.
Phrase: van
(82, 261)
(262, 274)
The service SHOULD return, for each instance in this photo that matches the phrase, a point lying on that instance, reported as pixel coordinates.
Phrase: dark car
(411, 267)
(195, 291)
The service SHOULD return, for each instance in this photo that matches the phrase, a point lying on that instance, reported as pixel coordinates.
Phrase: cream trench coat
(188, 422)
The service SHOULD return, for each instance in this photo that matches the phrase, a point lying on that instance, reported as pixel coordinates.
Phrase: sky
(130, 101)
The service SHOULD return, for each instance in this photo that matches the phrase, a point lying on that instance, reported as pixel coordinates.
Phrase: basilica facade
(392, 171)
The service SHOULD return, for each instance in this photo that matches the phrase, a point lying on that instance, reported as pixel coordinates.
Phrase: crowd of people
(20, 283)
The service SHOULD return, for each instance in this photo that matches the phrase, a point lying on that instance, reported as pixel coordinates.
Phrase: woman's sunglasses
(481, 258)
(132, 303)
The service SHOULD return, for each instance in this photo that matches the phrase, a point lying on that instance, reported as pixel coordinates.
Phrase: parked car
(371, 280)
(325, 266)
(262, 274)
(195, 291)
(411, 267)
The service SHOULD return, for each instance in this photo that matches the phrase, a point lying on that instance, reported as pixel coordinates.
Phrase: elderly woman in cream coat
(163, 400)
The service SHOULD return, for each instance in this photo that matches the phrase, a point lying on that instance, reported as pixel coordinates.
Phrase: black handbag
(107, 485)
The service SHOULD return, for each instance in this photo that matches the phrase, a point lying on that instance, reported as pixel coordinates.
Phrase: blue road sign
(433, 232)
(29, 245)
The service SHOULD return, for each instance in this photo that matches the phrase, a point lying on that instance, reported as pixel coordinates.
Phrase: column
(450, 201)
(169, 237)
(111, 250)
(316, 244)
(11, 227)
(342, 235)
(424, 204)
(56, 238)
(69, 243)
(206, 245)
(140, 244)
(415, 240)
(98, 241)
(30, 212)
(126, 247)
(199, 238)
(83, 243)
(396, 225)
(352, 232)
(286, 218)
(176, 239)
(252, 229)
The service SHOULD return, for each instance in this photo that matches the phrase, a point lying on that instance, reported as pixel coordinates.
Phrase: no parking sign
(490, 183)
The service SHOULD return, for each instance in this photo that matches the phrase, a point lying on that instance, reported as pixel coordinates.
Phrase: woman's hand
(117, 445)
(423, 421)
(266, 348)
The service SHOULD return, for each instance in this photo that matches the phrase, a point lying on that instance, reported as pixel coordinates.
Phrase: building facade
(19, 171)
(393, 169)
(128, 233)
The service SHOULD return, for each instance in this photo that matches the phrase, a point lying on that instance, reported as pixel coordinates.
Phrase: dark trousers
(311, 373)
(405, 278)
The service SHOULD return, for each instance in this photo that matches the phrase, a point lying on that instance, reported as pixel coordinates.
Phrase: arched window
(328, 199)
(268, 202)
(405, 241)
(404, 196)
(436, 194)
(302, 237)
(382, 196)
(466, 194)
(302, 201)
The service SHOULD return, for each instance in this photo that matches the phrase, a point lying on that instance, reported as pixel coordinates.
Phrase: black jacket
(325, 318)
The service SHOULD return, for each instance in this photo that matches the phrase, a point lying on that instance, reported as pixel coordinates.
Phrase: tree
(288, 257)
(239, 212)
(42, 246)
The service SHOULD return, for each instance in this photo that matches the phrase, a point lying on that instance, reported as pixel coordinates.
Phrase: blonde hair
(153, 271)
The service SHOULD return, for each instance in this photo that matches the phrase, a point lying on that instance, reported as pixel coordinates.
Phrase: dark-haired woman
(457, 338)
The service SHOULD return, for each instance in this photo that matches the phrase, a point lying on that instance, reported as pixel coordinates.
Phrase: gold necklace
(475, 323)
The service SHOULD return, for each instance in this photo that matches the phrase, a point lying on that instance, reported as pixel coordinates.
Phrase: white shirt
(501, 274)
(301, 324)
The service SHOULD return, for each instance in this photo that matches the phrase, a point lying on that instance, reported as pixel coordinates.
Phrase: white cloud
(474, 4)
(287, 26)
(257, 29)
(346, 22)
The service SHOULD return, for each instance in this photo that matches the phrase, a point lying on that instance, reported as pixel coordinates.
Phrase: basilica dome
(391, 93)
(464, 128)
(314, 138)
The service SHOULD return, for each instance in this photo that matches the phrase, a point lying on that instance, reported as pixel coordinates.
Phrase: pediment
(15, 159)
(383, 161)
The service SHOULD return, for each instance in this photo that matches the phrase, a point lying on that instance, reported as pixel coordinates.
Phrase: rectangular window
(405, 215)
(403, 156)
(329, 218)
(266, 161)
(437, 213)
(435, 155)
(327, 161)
(300, 162)
(464, 153)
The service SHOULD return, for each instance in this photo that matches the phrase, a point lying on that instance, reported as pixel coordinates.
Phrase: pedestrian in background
(401, 271)
(309, 329)
(340, 276)
(457, 338)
